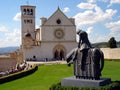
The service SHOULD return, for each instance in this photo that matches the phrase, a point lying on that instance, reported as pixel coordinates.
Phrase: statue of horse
(91, 65)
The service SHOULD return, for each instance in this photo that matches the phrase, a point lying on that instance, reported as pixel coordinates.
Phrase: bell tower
(28, 21)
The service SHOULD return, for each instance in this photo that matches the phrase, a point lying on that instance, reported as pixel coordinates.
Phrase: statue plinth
(72, 81)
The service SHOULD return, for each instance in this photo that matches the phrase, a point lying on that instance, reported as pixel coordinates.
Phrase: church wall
(70, 33)
(46, 50)
(49, 31)
(41, 52)
(61, 16)
(69, 46)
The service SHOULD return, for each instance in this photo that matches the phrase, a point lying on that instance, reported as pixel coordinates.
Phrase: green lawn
(52, 74)
(111, 70)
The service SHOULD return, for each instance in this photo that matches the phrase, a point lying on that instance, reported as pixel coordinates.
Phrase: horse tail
(102, 60)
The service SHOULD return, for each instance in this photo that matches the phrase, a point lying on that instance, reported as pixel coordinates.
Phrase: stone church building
(55, 37)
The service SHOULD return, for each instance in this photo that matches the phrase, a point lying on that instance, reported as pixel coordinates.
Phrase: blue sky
(99, 18)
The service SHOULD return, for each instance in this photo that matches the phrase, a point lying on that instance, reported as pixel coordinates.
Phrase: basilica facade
(55, 37)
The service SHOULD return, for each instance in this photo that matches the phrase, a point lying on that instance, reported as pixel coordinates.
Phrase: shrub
(113, 86)
(112, 59)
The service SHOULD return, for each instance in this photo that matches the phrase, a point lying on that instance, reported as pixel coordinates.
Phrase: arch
(31, 12)
(24, 11)
(28, 11)
(59, 52)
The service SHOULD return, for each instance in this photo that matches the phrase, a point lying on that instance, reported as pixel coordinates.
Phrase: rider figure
(83, 46)
(83, 40)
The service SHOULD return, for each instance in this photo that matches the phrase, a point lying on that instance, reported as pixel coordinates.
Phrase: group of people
(17, 68)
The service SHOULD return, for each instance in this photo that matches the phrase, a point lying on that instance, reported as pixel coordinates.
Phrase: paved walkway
(46, 63)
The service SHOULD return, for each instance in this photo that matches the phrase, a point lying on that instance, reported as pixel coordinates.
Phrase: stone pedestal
(72, 81)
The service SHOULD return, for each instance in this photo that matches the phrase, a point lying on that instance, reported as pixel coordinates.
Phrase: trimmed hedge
(18, 75)
(115, 85)
(112, 59)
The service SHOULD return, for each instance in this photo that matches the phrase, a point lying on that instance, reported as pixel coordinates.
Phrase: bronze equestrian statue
(88, 61)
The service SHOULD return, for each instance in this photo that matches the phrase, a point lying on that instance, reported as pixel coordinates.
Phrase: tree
(112, 43)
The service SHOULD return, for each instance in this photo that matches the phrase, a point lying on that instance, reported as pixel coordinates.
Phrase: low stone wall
(6, 62)
(113, 53)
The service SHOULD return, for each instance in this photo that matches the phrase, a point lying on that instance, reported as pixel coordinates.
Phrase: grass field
(52, 74)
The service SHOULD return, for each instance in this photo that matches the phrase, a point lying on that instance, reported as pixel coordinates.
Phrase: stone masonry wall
(111, 53)
(7, 63)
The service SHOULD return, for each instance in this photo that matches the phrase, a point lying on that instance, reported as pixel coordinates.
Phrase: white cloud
(114, 29)
(66, 9)
(37, 26)
(17, 17)
(93, 15)
(113, 26)
(104, 0)
(11, 38)
(14, 34)
(102, 38)
(114, 2)
(114, 32)
(86, 6)
(89, 30)
(91, 1)
(3, 28)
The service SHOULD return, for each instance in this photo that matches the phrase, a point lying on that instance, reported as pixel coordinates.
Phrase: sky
(99, 18)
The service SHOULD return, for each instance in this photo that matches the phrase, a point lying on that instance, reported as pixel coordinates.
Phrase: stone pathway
(46, 63)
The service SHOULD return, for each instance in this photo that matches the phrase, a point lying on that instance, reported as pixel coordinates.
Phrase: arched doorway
(59, 52)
